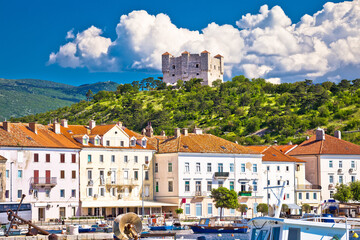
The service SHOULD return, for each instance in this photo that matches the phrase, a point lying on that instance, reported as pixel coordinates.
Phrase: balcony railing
(304, 187)
(43, 181)
(122, 182)
(221, 174)
(199, 194)
(245, 194)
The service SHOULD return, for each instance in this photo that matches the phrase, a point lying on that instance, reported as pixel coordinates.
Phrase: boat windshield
(259, 234)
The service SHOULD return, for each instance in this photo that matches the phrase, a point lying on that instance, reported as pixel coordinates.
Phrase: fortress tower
(188, 66)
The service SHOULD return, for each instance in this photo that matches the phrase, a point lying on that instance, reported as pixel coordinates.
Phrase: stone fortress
(189, 66)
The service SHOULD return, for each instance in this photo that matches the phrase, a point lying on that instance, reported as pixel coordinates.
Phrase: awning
(40, 204)
(293, 206)
(120, 203)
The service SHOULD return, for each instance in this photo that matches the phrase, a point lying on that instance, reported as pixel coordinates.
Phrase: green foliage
(306, 208)
(242, 208)
(251, 112)
(355, 190)
(262, 208)
(224, 198)
(343, 193)
(179, 211)
(284, 208)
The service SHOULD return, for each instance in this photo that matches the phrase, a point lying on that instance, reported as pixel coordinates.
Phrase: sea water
(214, 236)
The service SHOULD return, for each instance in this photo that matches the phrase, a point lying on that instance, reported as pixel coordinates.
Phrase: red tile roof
(20, 135)
(271, 154)
(185, 52)
(166, 53)
(102, 129)
(284, 148)
(331, 145)
(2, 158)
(199, 143)
(204, 51)
(218, 55)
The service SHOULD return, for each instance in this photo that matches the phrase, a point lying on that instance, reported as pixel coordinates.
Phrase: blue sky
(32, 30)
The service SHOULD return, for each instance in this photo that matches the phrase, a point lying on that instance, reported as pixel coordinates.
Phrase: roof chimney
(64, 123)
(92, 124)
(198, 130)
(307, 137)
(320, 134)
(7, 126)
(185, 131)
(149, 130)
(338, 134)
(56, 128)
(143, 132)
(162, 133)
(120, 124)
(33, 127)
(177, 132)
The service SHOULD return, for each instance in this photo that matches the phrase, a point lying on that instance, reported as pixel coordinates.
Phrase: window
(331, 179)
(231, 167)
(198, 169)
(89, 158)
(352, 164)
(7, 173)
(197, 65)
(307, 196)
(121, 143)
(112, 158)
(287, 168)
(231, 185)
(146, 175)
(300, 195)
(133, 142)
(278, 182)
(269, 196)
(156, 186)
(146, 159)
(36, 157)
(287, 196)
(97, 141)
(62, 212)
(330, 164)
(147, 190)
(187, 208)
(73, 174)
(136, 159)
(89, 192)
(62, 158)
(173, 66)
(47, 157)
(314, 195)
(107, 143)
(143, 143)
(136, 175)
(340, 179)
(73, 158)
(297, 167)
(254, 167)
(85, 141)
(277, 168)
(187, 186)
(268, 182)
(125, 158)
(47, 193)
(353, 179)
(198, 186)
(101, 158)
(62, 174)
(268, 168)
(187, 167)
(102, 192)
(7, 194)
(62, 193)
(243, 167)
(20, 173)
(220, 183)
(126, 175)
(89, 174)
(73, 193)
(156, 167)
(340, 164)
(209, 186)
(169, 167)
(198, 208)
(170, 186)
(113, 192)
(208, 167)
(209, 208)
(287, 182)
(255, 186)
(36, 193)
(331, 194)
(19, 193)
(232, 211)
(220, 167)
(242, 186)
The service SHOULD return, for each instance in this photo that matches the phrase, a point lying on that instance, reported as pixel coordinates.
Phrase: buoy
(232, 234)
(219, 235)
(355, 235)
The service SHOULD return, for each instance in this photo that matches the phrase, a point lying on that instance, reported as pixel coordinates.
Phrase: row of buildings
(75, 170)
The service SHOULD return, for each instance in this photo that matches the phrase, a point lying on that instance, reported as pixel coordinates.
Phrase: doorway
(41, 214)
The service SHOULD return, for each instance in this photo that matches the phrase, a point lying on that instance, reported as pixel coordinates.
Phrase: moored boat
(208, 225)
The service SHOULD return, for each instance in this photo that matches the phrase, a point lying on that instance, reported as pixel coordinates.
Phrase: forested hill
(21, 97)
(243, 110)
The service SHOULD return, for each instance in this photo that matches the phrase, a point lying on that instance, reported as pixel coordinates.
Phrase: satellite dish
(127, 226)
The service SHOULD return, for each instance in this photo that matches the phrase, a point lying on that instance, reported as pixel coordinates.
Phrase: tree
(179, 211)
(284, 208)
(355, 190)
(224, 198)
(242, 208)
(262, 208)
(343, 193)
(306, 208)
(89, 95)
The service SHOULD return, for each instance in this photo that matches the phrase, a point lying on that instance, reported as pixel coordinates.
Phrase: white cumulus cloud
(265, 45)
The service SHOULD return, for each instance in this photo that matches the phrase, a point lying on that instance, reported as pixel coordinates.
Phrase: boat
(208, 225)
(159, 224)
(86, 229)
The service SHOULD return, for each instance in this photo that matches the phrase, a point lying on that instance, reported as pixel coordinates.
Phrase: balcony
(122, 182)
(199, 194)
(245, 194)
(331, 186)
(43, 182)
(309, 186)
(221, 174)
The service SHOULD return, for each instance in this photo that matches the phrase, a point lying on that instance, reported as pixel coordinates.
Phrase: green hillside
(21, 97)
(243, 110)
